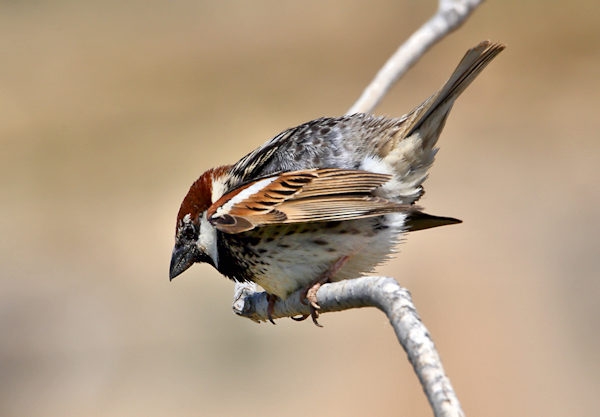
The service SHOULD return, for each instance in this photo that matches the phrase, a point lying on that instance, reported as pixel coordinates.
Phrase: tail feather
(433, 112)
(417, 220)
(410, 150)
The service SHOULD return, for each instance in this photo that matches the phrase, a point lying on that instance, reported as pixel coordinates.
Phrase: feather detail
(432, 113)
(198, 198)
(314, 195)
(417, 220)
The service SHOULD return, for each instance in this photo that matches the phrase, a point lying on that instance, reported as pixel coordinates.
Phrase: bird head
(195, 237)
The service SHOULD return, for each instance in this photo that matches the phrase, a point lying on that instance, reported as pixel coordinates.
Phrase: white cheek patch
(243, 195)
(207, 241)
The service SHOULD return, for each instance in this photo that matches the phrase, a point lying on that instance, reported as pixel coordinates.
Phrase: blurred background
(110, 110)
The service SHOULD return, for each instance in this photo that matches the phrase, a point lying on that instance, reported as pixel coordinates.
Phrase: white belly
(297, 260)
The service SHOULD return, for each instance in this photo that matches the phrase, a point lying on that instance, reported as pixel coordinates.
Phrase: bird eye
(188, 232)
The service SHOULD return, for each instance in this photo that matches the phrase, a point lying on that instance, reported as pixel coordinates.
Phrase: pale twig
(388, 296)
(449, 16)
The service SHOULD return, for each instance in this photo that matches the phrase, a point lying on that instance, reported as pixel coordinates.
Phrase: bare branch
(449, 16)
(388, 296)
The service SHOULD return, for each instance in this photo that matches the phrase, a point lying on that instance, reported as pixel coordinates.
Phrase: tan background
(108, 112)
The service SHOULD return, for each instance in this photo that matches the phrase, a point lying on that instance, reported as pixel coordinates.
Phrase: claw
(314, 315)
(311, 295)
(271, 299)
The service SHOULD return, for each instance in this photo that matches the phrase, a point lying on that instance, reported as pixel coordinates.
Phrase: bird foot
(309, 295)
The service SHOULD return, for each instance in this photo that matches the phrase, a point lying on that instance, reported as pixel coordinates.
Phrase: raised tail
(409, 152)
(430, 116)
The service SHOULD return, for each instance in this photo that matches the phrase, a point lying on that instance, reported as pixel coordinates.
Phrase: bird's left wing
(313, 195)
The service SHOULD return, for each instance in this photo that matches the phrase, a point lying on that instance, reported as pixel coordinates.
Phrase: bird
(324, 201)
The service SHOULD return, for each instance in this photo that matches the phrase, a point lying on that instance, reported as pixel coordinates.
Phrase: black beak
(183, 257)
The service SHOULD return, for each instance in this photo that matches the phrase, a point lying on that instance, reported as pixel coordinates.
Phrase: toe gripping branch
(388, 296)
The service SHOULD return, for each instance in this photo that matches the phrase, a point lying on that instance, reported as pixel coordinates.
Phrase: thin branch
(449, 16)
(388, 296)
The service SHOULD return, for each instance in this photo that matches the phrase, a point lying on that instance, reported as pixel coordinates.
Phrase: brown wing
(302, 196)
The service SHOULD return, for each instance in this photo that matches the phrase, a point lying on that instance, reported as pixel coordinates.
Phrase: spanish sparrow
(324, 201)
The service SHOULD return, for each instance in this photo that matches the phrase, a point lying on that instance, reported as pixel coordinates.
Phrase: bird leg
(310, 292)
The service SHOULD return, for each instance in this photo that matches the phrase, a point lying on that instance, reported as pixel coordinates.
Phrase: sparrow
(321, 202)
